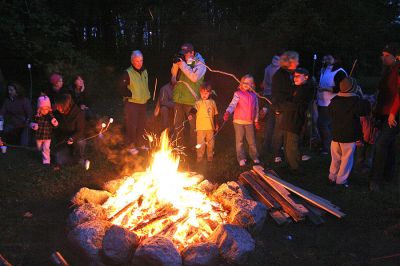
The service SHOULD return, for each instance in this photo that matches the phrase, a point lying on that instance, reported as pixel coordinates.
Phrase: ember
(165, 202)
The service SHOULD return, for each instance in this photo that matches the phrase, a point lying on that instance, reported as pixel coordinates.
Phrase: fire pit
(165, 217)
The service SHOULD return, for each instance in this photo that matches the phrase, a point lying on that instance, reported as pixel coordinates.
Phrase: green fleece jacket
(138, 85)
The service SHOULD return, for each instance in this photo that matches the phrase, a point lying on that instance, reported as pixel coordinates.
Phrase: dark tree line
(239, 36)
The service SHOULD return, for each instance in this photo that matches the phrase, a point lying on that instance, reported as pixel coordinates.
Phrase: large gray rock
(113, 185)
(203, 254)
(228, 192)
(249, 214)
(88, 238)
(119, 244)
(234, 243)
(84, 213)
(86, 195)
(157, 251)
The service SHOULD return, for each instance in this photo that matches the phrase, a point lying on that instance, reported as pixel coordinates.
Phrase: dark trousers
(70, 154)
(269, 131)
(383, 167)
(324, 127)
(135, 121)
(181, 113)
(277, 137)
(291, 149)
(167, 115)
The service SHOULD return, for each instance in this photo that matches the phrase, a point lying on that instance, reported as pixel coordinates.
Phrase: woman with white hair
(134, 89)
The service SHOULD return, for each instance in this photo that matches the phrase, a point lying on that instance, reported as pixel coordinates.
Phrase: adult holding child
(187, 75)
(134, 88)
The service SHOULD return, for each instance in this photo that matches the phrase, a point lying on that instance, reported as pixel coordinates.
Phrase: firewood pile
(286, 202)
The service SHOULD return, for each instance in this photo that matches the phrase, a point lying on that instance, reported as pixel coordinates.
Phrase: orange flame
(163, 201)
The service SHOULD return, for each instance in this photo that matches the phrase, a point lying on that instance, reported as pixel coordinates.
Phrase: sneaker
(133, 151)
(256, 161)
(344, 185)
(278, 159)
(305, 157)
(331, 182)
(242, 162)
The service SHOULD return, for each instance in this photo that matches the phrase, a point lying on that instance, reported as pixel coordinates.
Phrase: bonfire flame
(163, 201)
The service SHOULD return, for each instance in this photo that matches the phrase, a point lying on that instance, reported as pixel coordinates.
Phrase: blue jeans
(242, 131)
(383, 166)
(324, 127)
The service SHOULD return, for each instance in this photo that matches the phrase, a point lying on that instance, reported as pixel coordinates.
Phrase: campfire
(166, 217)
(165, 202)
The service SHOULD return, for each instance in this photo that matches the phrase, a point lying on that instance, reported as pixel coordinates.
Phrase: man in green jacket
(187, 76)
(134, 89)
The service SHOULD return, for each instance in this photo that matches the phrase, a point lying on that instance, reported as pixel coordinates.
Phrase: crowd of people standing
(329, 106)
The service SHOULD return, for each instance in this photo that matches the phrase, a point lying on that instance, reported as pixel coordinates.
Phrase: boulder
(88, 238)
(119, 244)
(84, 213)
(249, 214)
(86, 195)
(203, 254)
(157, 251)
(234, 243)
(228, 192)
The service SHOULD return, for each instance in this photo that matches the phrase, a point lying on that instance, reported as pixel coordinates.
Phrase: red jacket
(388, 96)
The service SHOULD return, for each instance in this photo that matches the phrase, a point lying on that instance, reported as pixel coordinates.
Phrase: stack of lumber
(286, 202)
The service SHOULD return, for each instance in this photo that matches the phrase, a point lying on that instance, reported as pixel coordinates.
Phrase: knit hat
(348, 85)
(391, 48)
(54, 78)
(43, 101)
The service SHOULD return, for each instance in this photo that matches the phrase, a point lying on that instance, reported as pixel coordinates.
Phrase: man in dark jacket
(281, 91)
(386, 111)
(293, 114)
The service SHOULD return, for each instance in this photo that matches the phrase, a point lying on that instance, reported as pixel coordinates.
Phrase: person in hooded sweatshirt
(345, 110)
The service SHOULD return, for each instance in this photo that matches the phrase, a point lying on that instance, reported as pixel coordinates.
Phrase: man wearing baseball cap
(387, 113)
(187, 75)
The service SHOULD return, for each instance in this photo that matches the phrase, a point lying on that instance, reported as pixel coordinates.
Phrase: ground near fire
(35, 203)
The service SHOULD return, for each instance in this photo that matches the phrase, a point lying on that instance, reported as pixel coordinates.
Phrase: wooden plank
(259, 192)
(302, 193)
(283, 192)
(314, 214)
(279, 217)
(287, 207)
(274, 174)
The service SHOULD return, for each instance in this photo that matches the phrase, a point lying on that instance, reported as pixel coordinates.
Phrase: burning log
(162, 213)
(122, 211)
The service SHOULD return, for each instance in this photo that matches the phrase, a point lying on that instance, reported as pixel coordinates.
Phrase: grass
(370, 229)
